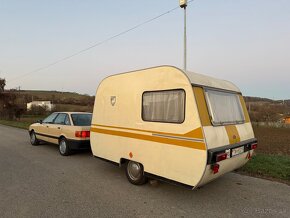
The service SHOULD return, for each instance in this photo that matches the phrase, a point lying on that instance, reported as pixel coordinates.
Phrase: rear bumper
(230, 164)
(213, 152)
(79, 144)
(225, 166)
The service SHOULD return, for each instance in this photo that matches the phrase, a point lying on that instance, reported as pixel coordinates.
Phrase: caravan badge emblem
(113, 100)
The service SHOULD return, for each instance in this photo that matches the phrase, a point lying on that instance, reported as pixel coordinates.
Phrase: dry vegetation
(13, 103)
(267, 110)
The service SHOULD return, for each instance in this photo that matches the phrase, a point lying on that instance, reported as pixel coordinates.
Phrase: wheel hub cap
(62, 147)
(134, 170)
(32, 138)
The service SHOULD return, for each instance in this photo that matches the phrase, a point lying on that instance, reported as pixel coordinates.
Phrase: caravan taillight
(215, 168)
(254, 145)
(220, 157)
(82, 134)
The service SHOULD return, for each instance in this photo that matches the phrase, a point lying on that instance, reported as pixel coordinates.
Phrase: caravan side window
(166, 106)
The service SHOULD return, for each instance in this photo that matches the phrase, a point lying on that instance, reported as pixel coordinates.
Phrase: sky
(243, 41)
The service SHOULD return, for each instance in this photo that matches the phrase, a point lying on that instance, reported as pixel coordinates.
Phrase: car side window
(66, 120)
(60, 119)
(50, 118)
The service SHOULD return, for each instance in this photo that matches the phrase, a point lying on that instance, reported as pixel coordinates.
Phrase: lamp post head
(183, 3)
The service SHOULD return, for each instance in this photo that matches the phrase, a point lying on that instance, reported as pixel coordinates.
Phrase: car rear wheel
(33, 139)
(64, 148)
(135, 173)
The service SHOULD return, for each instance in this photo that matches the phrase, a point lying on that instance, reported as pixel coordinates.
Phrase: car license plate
(236, 151)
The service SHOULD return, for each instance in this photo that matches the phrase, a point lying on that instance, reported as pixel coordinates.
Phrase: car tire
(33, 139)
(135, 173)
(64, 148)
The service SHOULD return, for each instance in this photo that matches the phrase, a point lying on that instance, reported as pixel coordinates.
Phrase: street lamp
(183, 4)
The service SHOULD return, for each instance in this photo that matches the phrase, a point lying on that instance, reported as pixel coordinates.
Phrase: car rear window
(82, 119)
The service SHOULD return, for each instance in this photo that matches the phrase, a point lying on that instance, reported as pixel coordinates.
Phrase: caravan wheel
(135, 173)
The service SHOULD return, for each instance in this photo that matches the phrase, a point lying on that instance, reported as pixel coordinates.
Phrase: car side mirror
(39, 121)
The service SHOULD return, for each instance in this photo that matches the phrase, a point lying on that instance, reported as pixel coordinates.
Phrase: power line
(95, 45)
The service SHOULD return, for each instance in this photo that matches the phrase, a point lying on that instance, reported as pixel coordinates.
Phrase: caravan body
(179, 126)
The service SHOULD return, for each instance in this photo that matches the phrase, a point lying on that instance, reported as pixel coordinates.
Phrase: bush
(38, 110)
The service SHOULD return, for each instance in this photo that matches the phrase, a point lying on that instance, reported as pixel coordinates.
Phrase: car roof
(73, 112)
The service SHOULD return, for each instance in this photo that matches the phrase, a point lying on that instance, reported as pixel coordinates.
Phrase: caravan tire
(135, 173)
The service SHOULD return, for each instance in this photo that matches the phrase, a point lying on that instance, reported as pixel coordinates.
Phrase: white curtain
(164, 106)
(224, 107)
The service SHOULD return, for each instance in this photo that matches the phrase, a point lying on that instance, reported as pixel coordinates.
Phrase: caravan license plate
(236, 151)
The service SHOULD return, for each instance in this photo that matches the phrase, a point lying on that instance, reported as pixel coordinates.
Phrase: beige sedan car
(70, 130)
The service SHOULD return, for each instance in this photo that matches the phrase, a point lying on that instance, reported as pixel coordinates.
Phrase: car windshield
(81, 119)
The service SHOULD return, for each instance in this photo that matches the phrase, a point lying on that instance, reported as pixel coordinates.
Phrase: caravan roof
(194, 78)
(203, 80)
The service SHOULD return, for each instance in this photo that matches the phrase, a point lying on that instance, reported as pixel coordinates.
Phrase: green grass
(24, 121)
(272, 166)
(13, 123)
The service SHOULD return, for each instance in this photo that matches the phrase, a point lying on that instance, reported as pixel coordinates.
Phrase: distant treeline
(267, 110)
(13, 104)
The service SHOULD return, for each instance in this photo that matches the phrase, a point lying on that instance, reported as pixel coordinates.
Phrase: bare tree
(2, 84)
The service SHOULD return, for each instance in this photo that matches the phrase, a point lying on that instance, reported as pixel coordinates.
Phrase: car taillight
(220, 157)
(82, 134)
(254, 145)
(215, 168)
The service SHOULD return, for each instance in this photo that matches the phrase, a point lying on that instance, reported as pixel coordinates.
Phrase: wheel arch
(61, 137)
(123, 161)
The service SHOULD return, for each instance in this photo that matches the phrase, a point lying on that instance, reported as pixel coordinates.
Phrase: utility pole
(183, 4)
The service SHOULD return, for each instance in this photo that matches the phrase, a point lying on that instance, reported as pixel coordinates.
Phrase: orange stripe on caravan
(196, 133)
(178, 142)
(202, 106)
(233, 134)
(246, 114)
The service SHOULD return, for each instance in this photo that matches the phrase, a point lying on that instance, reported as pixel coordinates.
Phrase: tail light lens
(215, 168)
(221, 156)
(254, 145)
(82, 134)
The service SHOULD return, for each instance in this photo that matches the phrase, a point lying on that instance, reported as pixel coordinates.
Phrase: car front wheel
(64, 148)
(33, 139)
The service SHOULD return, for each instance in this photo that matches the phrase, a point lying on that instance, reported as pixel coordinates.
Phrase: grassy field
(270, 166)
(72, 107)
(23, 122)
(272, 159)
(13, 123)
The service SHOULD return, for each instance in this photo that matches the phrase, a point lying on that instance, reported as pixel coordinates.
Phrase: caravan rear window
(166, 106)
(224, 107)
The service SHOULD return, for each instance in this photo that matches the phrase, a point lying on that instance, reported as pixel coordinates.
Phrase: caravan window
(224, 107)
(164, 106)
